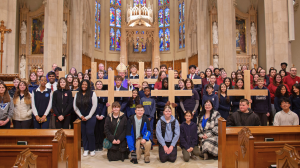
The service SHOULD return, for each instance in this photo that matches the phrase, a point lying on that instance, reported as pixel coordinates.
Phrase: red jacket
(272, 90)
(289, 81)
(219, 80)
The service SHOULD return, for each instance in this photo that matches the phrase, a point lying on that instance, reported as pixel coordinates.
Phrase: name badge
(47, 95)
(213, 99)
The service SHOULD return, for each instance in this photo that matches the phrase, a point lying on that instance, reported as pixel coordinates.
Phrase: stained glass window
(96, 11)
(143, 2)
(164, 23)
(183, 43)
(115, 23)
(161, 40)
(160, 2)
(112, 2)
(181, 24)
(97, 23)
(161, 18)
(136, 2)
(167, 40)
(99, 12)
(95, 35)
(183, 6)
(167, 2)
(99, 36)
(180, 11)
(118, 2)
(167, 17)
(118, 40)
(140, 42)
(180, 37)
(112, 39)
(112, 17)
(118, 18)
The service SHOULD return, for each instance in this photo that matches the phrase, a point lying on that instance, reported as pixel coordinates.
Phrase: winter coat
(22, 111)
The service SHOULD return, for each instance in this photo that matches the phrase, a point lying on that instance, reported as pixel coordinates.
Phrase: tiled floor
(100, 160)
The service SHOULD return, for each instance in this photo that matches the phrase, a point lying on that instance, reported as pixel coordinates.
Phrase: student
(22, 118)
(224, 101)
(73, 72)
(233, 78)
(244, 116)
(189, 138)
(41, 103)
(228, 83)
(13, 90)
(272, 73)
(115, 131)
(132, 103)
(190, 103)
(253, 71)
(155, 73)
(158, 83)
(144, 85)
(138, 134)
(208, 130)
(213, 83)
(32, 82)
(217, 72)
(150, 108)
(202, 74)
(7, 107)
(80, 76)
(167, 133)
(235, 100)
(163, 68)
(133, 74)
(52, 84)
(285, 116)
(75, 84)
(101, 113)
(102, 76)
(281, 91)
(180, 85)
(205, 81)
(56, 71)
(295, 99)
(62, 104)
(193, 75)
(221, 78)
(282, 73)
(88, 77)
(40, 73)
(210, 96)
(70, 79)
(85, 105)
(261, 105)
(262, 73)
(292, 78)
(75, 87)
(254, 81)
(122, 100)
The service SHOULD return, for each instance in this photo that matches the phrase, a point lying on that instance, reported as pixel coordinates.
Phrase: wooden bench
(26, 159)
(50, 146)
(287, 157)
(264, 152)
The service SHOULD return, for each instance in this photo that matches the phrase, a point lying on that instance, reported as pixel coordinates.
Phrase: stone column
(53, 34)
(277, 35)
(123, 53)
(8, 13)
(226, 30)
(155, 46)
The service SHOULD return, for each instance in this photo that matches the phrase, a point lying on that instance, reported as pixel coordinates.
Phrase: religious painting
(240, 36)
(118, 40)
(167, 17)
(118, 24)
(160, 18)
(161, 40)
(37, 35)
(112, 17)
(167, 39)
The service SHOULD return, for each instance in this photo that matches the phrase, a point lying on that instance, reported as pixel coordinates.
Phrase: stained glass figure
(118, 40)
(161, 40)
(183, 36)
(96, 11)
(183, 6)
(112, 17)
(95, 35)
(118, 18)
(112, 40)
(167, 17)
(160, 18)
(143, 2)
(112, 2)
(99, 32)
(160, 2)
(167, 2)
(180, 37)
(118, 2)
(99, 12)
(167, 39)
(136, 2)
(180, 18)
(136, 47)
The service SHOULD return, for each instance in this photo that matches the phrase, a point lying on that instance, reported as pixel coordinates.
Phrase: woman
(80, 76)
(13, 90)
(85, 104)
(115, 131)
(181, 84)
(32, 82)
(224, 101)
(75, 87)
(141, 92)
(239, 75)
(22, 117)
(41, 103)
(208, 130)
(155, 73)
(253, 71)
(7, 107)
(88, 77)
(282, 73)
(206, 79)
(70, 78)
(235, 100)
(202, 75)
(254, 81)
(167, 133)
(190, 103)
(295, 99)
(73, 71)
(132, 103)
(62, 104)
(158, 83)
(281, 91)
(228, 83)
(233, 78)
(75, 84)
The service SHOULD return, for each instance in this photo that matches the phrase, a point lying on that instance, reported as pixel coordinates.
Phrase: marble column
(155, 46)
(53, 34)
(123, 53)
(8, 13)
(277, 34)
(226, 30)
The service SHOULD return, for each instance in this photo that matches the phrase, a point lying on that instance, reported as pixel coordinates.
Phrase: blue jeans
(88, 133)
(44, 125)
(6, 126)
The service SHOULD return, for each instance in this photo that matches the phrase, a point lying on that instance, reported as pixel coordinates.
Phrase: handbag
(106, 143)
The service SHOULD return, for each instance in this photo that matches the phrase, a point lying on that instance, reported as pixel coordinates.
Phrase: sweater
(243, 119)
(295, 104)
(214, 98)
(6, 110)
(272, 88)
(289, 81)
(224, 107)
(90, 111)
(215, 91)
(101, 107)
(41, 102)
(22, 111)
(158, 85)
(168, 134)
(62, 103)
(261, 104)
(149, 106)
(188, 135)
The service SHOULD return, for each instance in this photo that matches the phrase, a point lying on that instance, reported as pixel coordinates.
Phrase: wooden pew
(287, 157)
(264, 152)
(65, 148)
(26, 159)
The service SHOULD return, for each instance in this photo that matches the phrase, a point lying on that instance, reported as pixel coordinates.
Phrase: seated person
(138, 134)
(167, 133)
(285, 116)
(244, 116)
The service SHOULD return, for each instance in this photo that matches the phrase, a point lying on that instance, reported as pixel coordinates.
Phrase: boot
(147, 159)
(134, 161)
(205, 156)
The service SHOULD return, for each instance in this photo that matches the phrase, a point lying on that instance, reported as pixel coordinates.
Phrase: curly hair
(278, 92)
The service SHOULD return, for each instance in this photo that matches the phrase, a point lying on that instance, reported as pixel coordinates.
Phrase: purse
(106, 143)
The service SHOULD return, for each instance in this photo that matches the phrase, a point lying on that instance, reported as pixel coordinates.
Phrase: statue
(23, 33)
(65, 30)
(22, 67)
(253, 62)
(216, 61)
(215, 33)
(253, 34)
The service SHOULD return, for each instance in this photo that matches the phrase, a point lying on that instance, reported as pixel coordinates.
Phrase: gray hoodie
(6, 110)
(169, 133)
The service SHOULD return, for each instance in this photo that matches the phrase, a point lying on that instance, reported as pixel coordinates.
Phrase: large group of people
(127, 131)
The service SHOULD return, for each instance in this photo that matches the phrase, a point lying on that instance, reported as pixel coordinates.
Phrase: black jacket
(62, 102)
(243, 119)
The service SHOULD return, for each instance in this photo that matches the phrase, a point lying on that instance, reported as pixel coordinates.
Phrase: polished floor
(100, 160)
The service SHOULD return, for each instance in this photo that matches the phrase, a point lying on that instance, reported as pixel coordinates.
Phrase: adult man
(244, 116)
(101, 67)
(121, 68)
(222, 77)
(285, 116)
(40, 73)
(53, 68)
(149, 76)
(291, 79)
(163, 67)
(284, 66)
(193, 75)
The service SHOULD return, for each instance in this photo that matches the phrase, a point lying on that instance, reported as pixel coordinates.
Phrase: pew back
(26, 159)
(287, 157)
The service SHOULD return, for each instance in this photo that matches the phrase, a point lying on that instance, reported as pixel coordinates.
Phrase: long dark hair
(27, 97)
(207, 69)
(230, 82)
(162, 83)
(136, 100)
(296, 85)
(274, 79)
(240, 79)
(84, 100)
(203, 111)
(220, 91)
(278, 92)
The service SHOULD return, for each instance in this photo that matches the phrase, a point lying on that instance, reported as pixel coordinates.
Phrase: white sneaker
(85, 153)
(92, 153)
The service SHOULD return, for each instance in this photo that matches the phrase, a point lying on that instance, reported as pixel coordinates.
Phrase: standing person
(88, 77)
(208, 130)
(52, 85)
(149, 76)
(281, 92)
(144, 85)
(193, 75)
(101, 114)
(62, 104)
(205, 81)
(133, 74)
(41, 103)
(210, 96)
(285, 116)
(13, 90)
(272, 73)
(80, 76)
(155, 73)
(32, 82)
(292, 78)
(283, 67)
(253, 71)
(53, 70)
(73, 72)
(254, 81)
(132, 103)
(262, 73)
(115, 131)
(213, 83)
(228, 83)
(85, 104)
(190, 103)
(189, 138)
(167, 133)
(101, 76)
(202, 74)
(221, 78)
(70, 78)
(217, 72)
(138, 135)
(224, 101)
(295, 99)
(122, 100)
(282, 73)
(235, 100)
(40, 73)
(233, 78)
(7, 107)
(102, 68)
(163, 68)
(56, 71)
(22, 118)
(158, 83)
(75, 87)
(122, 69)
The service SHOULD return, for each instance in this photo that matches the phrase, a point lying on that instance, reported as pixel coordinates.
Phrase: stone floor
(100, 160)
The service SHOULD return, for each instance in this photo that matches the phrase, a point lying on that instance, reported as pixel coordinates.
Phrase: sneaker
(134, 161)
(85, 153)
(92, 153)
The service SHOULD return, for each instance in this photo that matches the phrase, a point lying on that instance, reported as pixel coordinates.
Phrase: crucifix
(247, 92)
(184, 74)
(3, 30)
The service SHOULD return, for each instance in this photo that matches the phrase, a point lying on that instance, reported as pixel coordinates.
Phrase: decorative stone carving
(253, 61)
(23, 67)
(65, 30)
(215, 33)
(216, 61)
(23, 32)
(253, 34)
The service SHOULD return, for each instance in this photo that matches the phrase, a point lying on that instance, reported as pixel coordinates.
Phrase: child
(235, 100)
(138, 134)
(132, 103)
(224, 101)
(295, 99)
(286, 116)
(101, 76)
(212, 81)
(122, 100)
(211, 96)
(281, 91)
(52, 86)
(141, 92)
(7, 107)
(188, 137)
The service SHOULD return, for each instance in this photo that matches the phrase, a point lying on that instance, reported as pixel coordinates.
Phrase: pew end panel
(288, 156)
(26, 159)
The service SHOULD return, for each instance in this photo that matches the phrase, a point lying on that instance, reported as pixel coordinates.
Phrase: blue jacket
(214, 98)
(261, 104)
(216, 89)
(131, 128)
(130, 110)
(188, 135)
(32, 86)
(224, 107)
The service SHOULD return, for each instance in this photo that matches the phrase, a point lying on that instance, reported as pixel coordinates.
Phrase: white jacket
(22, 111)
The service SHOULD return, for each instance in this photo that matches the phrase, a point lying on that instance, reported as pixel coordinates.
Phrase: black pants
(99, 133)
(74, 117)
(22, 124)
(64, 123)
(167, 157)
(263, 118)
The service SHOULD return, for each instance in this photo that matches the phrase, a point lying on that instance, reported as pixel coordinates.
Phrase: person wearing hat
(283, 67)
(121, 68)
